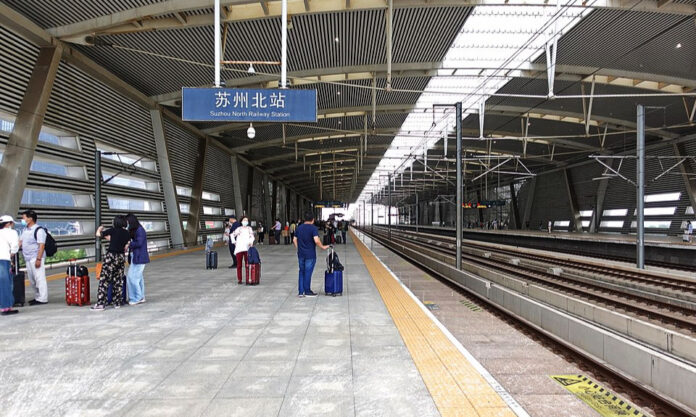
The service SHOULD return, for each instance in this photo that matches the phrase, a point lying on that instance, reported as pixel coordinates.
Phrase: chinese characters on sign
(252, 105)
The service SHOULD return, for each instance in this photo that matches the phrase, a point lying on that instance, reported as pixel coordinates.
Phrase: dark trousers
(261, 236)
(277, 236)
(112, 273)
(234, 258)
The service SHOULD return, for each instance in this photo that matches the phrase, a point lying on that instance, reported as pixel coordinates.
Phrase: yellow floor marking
(455, 385)
(605, 402)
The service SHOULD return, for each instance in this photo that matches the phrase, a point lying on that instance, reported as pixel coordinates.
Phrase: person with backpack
(9, 246)
(244, 238)
(33, 242)
(138, 258)
(114, 264)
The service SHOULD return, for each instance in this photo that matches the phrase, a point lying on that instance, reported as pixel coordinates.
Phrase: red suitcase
(253, 274)
(77, 285)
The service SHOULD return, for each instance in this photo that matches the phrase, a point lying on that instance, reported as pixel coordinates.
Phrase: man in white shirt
(33, 242)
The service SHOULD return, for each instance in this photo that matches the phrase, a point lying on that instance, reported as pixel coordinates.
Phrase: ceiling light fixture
(251, 69)
(679, 45)
(336, 39)
(338, 93)
(251, 132)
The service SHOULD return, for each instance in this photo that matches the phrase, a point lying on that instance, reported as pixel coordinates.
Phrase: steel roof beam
(607, 76)
(150, 18)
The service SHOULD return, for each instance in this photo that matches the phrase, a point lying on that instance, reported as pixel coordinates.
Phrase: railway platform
(204, 346)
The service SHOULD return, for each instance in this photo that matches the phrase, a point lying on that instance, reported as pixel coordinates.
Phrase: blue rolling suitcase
(333, 276)
(333, 283)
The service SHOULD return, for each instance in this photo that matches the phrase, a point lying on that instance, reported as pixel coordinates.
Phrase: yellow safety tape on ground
(605, 402)
(454, 384)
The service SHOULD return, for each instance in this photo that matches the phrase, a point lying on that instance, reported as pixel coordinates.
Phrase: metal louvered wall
(92, 113)
(551, 201)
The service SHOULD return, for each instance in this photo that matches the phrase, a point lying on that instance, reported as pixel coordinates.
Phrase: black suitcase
(211, 260)
(18, 284)
(327, 239)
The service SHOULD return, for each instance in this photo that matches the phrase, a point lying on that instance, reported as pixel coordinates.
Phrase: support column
(171, 199)
(236, 188)
(21, 145)
(529, 203)
(250, 194)
(515, 209)
(267, 197)
(572, 201)
(480, 211)
(599, 201)
(274, 201)
(193, 222)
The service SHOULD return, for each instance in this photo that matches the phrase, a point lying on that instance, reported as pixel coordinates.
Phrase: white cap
(6, 219)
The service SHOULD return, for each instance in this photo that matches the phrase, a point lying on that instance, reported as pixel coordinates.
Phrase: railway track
(643, 305)
(626, 259)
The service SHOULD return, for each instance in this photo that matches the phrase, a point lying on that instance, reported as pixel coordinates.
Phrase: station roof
(472, 51)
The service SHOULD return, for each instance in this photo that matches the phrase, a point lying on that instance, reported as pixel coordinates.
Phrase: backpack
(253, 256)
(332, 262)
(50, 247)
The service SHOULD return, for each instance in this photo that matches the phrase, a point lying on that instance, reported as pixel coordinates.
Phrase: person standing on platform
(138, 258)
(293, 227)
(262, 232)
(306, 239)
(33, 243)
(114, 265)
(233, 225)
(244, 238)
(344, 230)
(276, 231)
(9, 246)
(550, 226)
(689, 231)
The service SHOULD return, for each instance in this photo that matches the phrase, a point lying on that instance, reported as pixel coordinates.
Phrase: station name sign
(329, 204)
(248, 105)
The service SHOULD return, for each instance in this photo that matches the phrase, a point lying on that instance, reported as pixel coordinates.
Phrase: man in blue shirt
(306, 238)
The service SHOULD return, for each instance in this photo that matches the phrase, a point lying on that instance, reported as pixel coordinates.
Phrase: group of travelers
(335, 231)
(303, 233)
(494, 224)
(127, 243)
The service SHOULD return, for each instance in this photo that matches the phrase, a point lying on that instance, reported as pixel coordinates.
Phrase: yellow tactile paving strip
(455, 385)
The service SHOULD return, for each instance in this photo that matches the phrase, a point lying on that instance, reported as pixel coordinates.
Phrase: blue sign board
(248, 105)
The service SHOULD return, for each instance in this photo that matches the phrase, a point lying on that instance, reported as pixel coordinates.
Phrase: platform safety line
(55, 277)
(458, 384)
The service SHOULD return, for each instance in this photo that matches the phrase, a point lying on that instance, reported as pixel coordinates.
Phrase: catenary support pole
(216, 30)
(459, 184)
(389, 203)
(372, 213)
(97, 202)
(640, 194)
(417, 218)
(284, 45)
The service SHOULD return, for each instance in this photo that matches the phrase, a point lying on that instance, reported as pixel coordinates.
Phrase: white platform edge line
(506, 396)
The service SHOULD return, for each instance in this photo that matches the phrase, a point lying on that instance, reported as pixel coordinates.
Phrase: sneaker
(117, 306)
(97, 307)
(9, 312)
(37, 303)
(310, 294)
(135, 303)
(300, 295)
